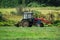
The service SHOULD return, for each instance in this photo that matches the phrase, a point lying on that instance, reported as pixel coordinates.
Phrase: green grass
(29, 33)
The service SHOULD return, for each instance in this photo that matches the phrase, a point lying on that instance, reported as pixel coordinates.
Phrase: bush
(57, 23)
(7, 23)
(36, 13)
(43, 5)
(1, 17)
(13, 13)
(36, 4)
(33, 4)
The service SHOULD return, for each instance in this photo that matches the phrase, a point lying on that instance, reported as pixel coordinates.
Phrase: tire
(25, 24)
(40, 25)
(30, 24)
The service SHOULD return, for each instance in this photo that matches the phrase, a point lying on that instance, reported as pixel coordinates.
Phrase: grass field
(29, 33)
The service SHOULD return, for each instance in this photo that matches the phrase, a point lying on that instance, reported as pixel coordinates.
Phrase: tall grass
(10, 13)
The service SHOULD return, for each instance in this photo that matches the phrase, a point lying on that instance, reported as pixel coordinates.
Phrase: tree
(8, 3)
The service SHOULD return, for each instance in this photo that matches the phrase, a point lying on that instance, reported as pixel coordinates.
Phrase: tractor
(28, 20)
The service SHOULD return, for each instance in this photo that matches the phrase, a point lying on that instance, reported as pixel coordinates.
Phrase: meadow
(29, 33)
(48, 32)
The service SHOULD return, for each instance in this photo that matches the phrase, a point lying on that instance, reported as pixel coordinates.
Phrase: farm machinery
(28, 20)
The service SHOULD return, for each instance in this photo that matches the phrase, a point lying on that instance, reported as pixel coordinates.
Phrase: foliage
(8, 3)
(37, 13)
(1, 17)
(14, 3)
(57, 23)
(13, 13)
(7, 23)
(33, 4)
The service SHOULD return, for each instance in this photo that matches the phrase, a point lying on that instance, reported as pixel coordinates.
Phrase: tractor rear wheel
(25, 24)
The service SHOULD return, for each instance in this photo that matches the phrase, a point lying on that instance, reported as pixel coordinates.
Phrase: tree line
(14, 3)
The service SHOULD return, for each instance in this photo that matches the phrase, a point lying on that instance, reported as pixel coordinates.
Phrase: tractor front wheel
(40, 25)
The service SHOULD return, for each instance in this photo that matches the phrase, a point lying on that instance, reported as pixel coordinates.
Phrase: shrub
(33, 4)
(13, 13)
(36, 13)
(43, 5)
(7, 23)
(57, 23)
(36, 4)
(2, 18)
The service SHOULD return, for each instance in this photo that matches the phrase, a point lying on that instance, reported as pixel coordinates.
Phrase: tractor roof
(27, 12)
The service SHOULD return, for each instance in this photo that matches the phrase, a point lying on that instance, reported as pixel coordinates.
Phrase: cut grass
(47, 33)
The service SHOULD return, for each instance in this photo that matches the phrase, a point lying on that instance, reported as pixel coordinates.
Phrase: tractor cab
(27, 15)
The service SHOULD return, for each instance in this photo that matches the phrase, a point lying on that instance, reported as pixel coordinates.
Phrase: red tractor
(28, 20)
